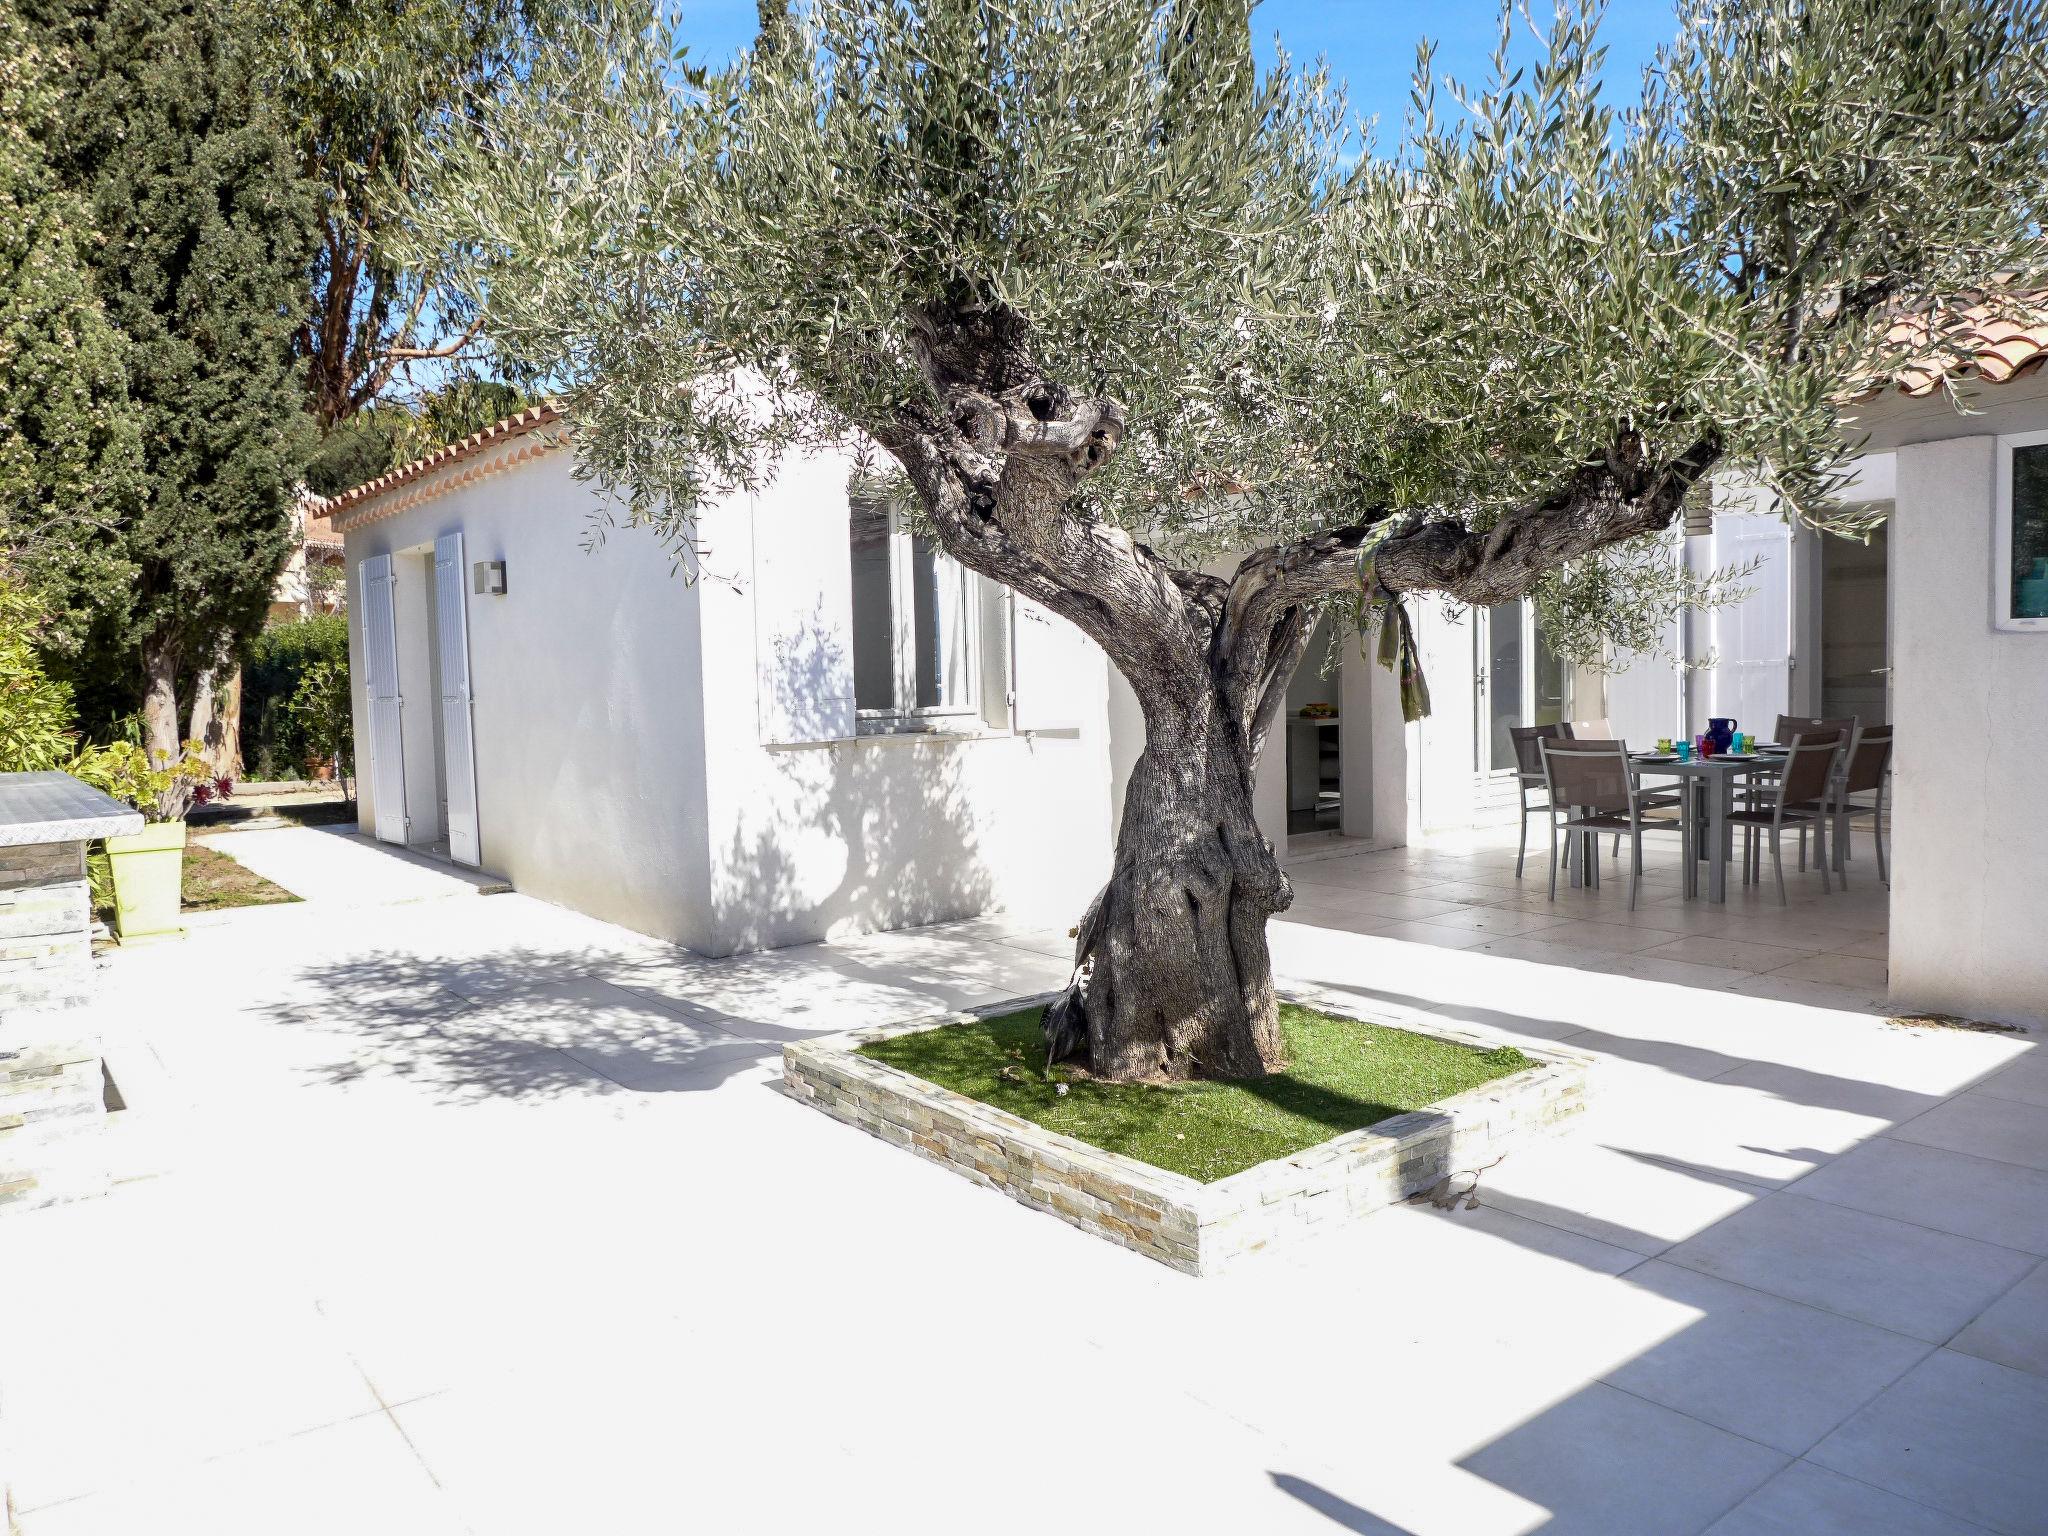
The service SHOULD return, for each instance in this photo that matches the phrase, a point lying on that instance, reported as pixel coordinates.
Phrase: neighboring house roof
(348, 510)
(316, 528)
(1977, 343)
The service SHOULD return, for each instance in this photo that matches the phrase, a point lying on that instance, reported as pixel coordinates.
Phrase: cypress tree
(205, 230)
(70, 448)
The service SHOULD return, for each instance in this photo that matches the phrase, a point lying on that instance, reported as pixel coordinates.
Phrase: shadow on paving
(1757, 1400)
(504, 1026)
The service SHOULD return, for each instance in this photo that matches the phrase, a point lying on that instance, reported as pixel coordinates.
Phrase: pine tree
(205, 229)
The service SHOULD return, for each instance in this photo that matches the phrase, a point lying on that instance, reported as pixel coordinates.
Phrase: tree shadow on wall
(847, 832)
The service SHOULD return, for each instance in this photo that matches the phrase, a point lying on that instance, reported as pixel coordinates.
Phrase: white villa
(837, 730)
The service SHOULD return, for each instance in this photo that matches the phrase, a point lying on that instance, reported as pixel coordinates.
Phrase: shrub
(275, 738)
(163, 788)
(37, 725)
(322, 711)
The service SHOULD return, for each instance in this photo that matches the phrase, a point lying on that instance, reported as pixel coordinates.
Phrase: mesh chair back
(1868, 759)
(1528, 740)
(1588, 775)
(1807, 766)
(1790, 726)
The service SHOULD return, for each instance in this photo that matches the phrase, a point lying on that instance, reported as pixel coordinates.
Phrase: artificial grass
(213, 881)
(1341, 1075)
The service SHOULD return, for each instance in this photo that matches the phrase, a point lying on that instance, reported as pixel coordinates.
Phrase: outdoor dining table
(1708, 803)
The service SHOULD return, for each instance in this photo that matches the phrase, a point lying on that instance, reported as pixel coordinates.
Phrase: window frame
(961, 718)
(2002, 616)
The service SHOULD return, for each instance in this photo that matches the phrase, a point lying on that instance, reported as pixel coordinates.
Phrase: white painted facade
(691, 759)
(1970, 700)
(683, 758)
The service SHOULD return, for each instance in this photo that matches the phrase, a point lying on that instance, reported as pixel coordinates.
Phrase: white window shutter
(992, 609)
(1646, 692)
(458, 745)
(380, 656)
(1049, 657)
(1752, 674)
(803, 605)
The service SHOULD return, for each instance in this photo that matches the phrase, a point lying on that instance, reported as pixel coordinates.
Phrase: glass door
(1520, 681)
(1503, 692)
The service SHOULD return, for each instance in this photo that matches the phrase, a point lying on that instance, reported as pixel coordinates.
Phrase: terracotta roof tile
(515, 425)
(1975, 343)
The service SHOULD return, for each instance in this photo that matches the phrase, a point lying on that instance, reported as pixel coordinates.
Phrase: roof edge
(518, 424)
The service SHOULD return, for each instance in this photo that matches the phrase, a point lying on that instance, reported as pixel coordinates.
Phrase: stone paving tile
(2026, 1080)
(1505, 922)
(1648, 965)
(1806, 1500)
(515, 1210)
(1627, 1202)
(2005, 1130)
(1958, 1434)
(1948, 1191)
(1733, 954)
(341, 1481)
(1665, 1472)
(1760, 1366)
(1433, 934)
(1906, 1278)
(1859, 971)
(2013, 1330)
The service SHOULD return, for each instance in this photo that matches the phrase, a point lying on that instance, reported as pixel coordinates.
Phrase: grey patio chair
(1603, 730)
(1803, 799)
(1592, 791)
(1528, 740)
(1867, 770)
(1788, 726)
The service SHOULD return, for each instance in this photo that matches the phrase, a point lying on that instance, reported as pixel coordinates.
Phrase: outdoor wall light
(490, 578)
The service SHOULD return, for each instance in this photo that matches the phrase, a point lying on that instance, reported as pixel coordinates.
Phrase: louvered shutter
(1752, 673)
(380, 656)
(458, 748)
(1646, 695)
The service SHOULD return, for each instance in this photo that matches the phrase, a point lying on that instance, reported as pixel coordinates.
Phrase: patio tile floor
(475, 1215)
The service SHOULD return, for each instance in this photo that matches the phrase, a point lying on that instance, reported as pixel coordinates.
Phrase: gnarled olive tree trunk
(1172, 977)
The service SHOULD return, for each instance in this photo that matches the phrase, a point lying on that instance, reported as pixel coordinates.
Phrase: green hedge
(273, 740)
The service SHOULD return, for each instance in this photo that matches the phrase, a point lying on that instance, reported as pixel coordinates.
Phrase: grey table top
(1720, 762)
(53, 807)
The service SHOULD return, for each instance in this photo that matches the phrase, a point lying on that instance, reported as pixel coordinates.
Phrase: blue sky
(1370, 43)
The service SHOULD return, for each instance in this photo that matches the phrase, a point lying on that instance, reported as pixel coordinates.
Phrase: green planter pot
(149, 874)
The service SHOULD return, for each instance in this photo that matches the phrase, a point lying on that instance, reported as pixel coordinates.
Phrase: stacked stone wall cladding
(52, 1089)
(1194, 1227)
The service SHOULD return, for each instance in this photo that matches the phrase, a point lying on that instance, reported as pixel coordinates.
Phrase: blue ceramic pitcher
(1720, 733)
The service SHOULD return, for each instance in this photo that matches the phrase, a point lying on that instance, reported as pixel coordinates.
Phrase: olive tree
(1143, 334)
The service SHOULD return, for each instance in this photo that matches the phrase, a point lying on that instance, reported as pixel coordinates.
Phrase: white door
(458, 748)
(1752, 674)
(380, 654)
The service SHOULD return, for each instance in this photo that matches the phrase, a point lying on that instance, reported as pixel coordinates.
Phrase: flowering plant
(163, 788)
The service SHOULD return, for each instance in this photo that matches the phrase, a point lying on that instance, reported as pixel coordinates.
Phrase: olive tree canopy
(1120, 310)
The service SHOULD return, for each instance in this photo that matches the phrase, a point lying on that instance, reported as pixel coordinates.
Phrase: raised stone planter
(1197, 1228)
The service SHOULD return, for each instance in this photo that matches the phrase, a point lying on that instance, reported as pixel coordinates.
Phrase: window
(2020, 572)
(916, 622)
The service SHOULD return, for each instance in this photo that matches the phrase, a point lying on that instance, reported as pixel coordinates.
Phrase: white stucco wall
(1969, 920)
(821, 839)
(589, 747)
(623, 763)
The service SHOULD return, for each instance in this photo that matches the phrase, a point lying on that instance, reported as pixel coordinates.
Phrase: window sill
(926, 737)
